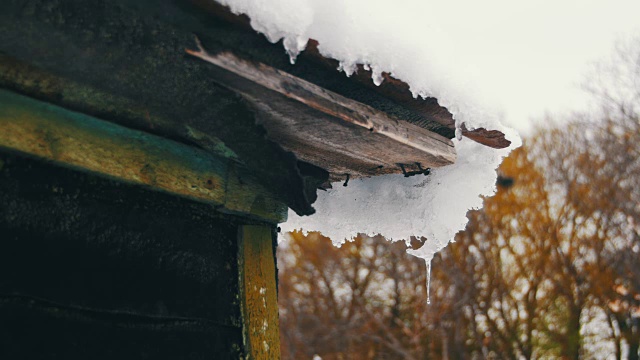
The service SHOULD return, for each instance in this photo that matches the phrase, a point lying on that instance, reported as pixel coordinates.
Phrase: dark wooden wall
(95, 269)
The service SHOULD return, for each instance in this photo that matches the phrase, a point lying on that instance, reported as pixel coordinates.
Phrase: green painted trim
(83, 142)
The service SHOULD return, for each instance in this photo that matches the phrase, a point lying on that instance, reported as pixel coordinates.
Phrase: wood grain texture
(83, 142)
(326, 129)
(392, 96)
(259, 296)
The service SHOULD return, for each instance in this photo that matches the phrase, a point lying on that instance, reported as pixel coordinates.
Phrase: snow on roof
(406, 42)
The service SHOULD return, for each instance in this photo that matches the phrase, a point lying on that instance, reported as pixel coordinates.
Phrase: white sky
(539, 50)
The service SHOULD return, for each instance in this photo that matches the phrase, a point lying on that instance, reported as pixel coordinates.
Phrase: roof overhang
(293, 127)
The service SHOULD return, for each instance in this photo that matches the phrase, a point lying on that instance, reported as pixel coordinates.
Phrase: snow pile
(407, 41)
(404, 40)
(432, 206)
(517, 57)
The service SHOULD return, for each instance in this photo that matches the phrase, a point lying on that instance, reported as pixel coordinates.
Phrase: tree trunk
(571, 349)
(634, 346)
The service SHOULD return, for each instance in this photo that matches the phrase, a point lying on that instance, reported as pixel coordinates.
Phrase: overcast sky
(540, 50)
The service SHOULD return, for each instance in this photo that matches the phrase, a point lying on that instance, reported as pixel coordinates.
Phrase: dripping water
(428, 262)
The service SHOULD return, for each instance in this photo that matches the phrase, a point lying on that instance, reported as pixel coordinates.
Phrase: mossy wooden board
(83, 142)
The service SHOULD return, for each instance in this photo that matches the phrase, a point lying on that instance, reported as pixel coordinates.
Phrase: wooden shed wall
(97, 269)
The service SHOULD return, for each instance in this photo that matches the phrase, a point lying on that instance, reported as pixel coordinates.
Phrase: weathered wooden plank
(325, 128)
(428, 110)
(83, 142)
(330, 103)
(392, 96)
(341, 148)
(259, 293)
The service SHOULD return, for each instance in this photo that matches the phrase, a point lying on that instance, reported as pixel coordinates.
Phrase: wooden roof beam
(85, 143)
(327, 129)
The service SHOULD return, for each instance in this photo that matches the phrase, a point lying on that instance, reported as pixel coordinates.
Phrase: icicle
(428, 262)
(376, 75)
(294, 46)
(459, 129)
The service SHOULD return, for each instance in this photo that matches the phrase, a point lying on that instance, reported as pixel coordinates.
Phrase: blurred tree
(499, 263)
(614, 156)
(364, 300)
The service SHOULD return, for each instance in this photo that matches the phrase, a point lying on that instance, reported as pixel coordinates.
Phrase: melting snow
(408, 42)
(433, 206)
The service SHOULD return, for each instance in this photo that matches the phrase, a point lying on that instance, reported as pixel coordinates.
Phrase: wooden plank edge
(258, 293)
(331, 103)
(89, 144)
